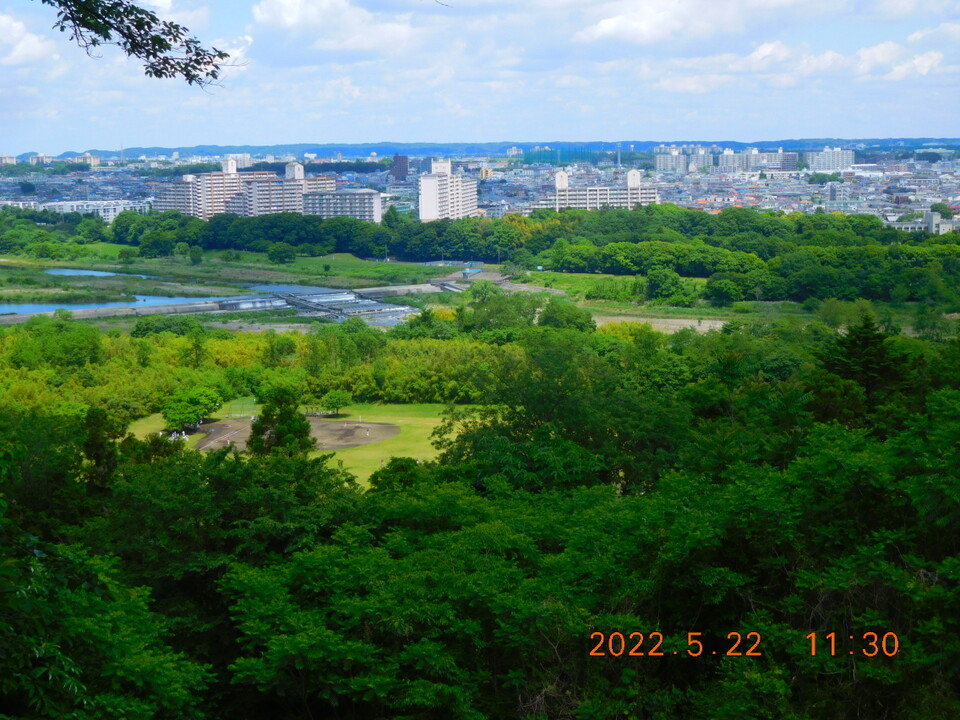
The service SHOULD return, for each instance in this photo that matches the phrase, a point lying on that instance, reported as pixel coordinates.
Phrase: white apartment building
(243, 160)
(177, 195)
(107, 209)
(595, 197)
(445, 195)
(8, 160)
(91, 160)
(753, 159)
(362, 204)
(248, 194)
(731, 162)
(829, 160)
(672, 162)
(266, 196)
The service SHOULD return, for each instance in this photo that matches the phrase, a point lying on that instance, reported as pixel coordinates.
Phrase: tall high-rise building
(445, 195)
(400, 168)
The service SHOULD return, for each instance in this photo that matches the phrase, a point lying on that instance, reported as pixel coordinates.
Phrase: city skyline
(351, 71)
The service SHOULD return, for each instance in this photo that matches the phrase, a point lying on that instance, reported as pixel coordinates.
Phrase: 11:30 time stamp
(637, 644)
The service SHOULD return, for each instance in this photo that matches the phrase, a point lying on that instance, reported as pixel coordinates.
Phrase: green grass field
(147, 426)
(155, 423)
(571, 283)
(416, 422)
(353, 272)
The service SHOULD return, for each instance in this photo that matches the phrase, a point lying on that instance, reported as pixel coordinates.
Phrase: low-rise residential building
(931, 222)
(106, 209)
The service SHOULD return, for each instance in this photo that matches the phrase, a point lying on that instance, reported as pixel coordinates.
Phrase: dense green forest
(745, 254)
(773, 479)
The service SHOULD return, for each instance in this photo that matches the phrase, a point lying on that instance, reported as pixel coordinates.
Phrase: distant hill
(495, 148)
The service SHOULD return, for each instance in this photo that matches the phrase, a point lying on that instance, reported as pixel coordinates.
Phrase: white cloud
(342, 25)
(19, 47)
(652, 21)
(158, 6)
(764, 55)
(237, 49)
(886, 53)
(572, 81)
(192, 18)
(904, 8)
(697, 84)
(917, 65)
(760, 59)
(945, 31)
(456, 109)
(824, 62)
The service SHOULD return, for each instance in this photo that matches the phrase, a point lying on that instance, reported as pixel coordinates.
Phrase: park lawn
(349, 271)
(155, 423)
(702, 310)
(147, 426)
(577, 284)
(416, 424)
(106, 250)
(571, 283)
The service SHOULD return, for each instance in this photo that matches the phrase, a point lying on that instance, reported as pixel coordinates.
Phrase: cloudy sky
(489, 70)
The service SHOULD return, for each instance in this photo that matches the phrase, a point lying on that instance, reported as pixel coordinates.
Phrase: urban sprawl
(897, 186)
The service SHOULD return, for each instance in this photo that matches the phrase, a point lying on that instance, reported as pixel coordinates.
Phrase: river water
(140, 300)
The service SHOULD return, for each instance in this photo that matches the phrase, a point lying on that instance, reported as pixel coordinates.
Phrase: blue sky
(489, 70)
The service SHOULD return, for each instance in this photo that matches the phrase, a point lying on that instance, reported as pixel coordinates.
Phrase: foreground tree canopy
(166, 48)
(772, 480)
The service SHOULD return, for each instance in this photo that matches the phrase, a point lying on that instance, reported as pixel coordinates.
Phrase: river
(141, 300)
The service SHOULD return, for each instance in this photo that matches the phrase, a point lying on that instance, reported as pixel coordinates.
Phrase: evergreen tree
(281, 426)
(862, 355)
